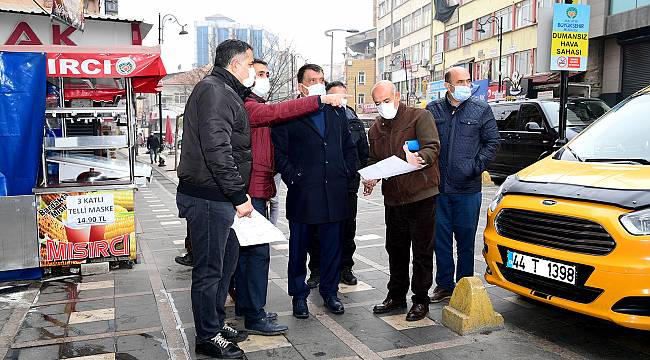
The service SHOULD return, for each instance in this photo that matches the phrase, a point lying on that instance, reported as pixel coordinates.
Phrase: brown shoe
(417, 312)
(440, 294)
(389, 305)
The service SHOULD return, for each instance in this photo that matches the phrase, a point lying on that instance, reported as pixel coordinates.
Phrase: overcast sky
(300, 22)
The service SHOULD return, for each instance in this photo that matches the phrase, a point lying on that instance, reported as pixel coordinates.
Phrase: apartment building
(404, 44)
(360, 68)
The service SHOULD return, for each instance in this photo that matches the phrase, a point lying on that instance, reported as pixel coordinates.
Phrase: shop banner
(82, 65)
(22, 109)
(570, 37)
(86, 226)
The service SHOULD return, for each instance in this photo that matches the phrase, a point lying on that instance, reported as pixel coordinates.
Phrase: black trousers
(411, 227)
(348, 247)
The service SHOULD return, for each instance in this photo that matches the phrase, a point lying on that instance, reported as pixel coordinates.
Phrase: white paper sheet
(386, 168)
(256, 230)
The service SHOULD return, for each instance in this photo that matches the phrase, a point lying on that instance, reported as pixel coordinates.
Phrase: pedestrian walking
(469, 139)
(214, 173)
(153, 145)
(410, 199)
(317, 159)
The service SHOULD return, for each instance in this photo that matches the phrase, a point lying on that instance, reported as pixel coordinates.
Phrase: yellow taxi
(573, 230)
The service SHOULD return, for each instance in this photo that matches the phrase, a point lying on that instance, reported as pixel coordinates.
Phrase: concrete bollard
(470, 309)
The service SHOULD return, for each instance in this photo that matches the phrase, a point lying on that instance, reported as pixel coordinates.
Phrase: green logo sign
(571, 12)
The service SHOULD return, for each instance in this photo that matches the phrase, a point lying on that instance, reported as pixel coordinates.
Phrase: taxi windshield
(621, 136)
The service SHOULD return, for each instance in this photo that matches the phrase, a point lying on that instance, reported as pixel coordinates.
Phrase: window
(415, 54)
(380, 66)
(406, 25)
(619, 6)
(426, 50)
(361, 78)
(426, 15)
(487, 27)
(483, 70)
(417, 19)
(506, 67)
(506, 116)
(440, 43)
(397, 30)
(529, 113)
(381, 38)
(389, 34)
(522, 63)
(505, 14)
(452, 39)
(524, 13)
(468, 33)
(361, 98)
(382, 9)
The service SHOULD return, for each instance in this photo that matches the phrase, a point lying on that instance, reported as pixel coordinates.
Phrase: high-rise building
(217, 28)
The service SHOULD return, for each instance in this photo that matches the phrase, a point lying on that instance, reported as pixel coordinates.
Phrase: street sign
(570, 37)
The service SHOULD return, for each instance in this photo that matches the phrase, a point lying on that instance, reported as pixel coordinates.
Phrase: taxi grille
(555, 231)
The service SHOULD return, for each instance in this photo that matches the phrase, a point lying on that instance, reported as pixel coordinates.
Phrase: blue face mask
(462, 93)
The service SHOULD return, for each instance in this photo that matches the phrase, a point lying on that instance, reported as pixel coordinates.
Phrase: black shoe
(347, 277)
(417, 312)
(440, 294)
(232, 335)
(334, 305)
(389, 305)
(300, 309)
(271, 316)
(220, 348)
(187, 259)
(313, 281)
(266, 327)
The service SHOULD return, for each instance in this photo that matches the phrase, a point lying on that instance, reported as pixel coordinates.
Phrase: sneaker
(313, 281)
(347, 277)
(232, 335)
(220, 348)
(187, 259)
(440, 294)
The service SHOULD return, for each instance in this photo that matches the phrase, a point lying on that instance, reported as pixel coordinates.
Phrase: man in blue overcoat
(316, 158)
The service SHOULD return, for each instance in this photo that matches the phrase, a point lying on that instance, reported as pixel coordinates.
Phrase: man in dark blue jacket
(317, 159)
(469, 139)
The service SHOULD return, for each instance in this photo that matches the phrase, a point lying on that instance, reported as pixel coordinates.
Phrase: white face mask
(250, 80)
(262, 87)
(316, 89)
(387, 110)
(344, 102)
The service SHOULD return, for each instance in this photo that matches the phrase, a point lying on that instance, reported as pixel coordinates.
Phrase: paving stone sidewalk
(145, 312)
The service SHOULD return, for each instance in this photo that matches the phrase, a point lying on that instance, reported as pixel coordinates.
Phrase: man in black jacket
(316, 158)
(213, 174)
(153, 145)
(360, 141)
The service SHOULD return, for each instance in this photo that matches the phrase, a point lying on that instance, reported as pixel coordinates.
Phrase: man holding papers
(409, 134)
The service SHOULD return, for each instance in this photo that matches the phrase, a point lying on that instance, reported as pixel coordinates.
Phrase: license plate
(542, 267)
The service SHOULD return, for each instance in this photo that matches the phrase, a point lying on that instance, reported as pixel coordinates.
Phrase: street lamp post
(330, 33)
(161, 27)
(499, 22)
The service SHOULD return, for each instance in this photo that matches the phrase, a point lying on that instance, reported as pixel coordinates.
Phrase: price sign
(92, 209)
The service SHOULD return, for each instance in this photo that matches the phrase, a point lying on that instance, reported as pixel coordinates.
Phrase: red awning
(142, 64)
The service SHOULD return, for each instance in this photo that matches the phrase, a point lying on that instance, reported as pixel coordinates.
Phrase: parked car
(529, 130)
(573, 230)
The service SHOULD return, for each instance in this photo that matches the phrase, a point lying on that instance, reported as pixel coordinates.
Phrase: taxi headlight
(498, 196)
(637, 223)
